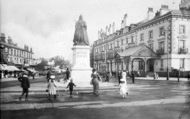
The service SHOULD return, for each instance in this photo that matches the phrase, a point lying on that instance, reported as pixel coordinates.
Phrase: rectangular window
(181, 29)
(117, 43)
(182, 44)
(121, 41)
(151, 34)
(132, 39)
(151, 45)
(161, 45)
(142, 37)
(126, 40)
(182, 63)
(161, 63)
(161, 31)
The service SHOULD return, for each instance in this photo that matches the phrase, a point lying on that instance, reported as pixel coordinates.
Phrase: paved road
(146, 100)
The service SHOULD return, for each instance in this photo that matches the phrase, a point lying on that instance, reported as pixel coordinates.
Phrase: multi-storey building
(12, 54)
(158, 43)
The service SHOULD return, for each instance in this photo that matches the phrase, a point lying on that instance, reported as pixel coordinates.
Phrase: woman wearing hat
(52, 87)
(123, 85)
(95, 82)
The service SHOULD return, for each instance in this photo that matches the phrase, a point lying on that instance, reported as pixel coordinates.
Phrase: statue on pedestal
(80, 36)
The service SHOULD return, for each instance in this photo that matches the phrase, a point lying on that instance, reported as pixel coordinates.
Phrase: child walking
(70, 86)
(123, 85)
(51, 88)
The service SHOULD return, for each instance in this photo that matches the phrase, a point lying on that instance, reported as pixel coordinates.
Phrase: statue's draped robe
(80, 36)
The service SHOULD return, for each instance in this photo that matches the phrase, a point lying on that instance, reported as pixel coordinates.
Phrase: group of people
(52, 87)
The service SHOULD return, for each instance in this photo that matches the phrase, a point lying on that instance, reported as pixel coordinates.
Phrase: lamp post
(168, 37)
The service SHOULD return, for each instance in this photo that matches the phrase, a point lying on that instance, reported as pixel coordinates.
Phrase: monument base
(81, 77)
(81, 70)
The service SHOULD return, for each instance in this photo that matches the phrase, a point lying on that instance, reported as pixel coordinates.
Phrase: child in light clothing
(51, 88)
(123, 85)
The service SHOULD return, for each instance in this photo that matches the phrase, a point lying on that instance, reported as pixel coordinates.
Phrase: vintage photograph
(95, 59)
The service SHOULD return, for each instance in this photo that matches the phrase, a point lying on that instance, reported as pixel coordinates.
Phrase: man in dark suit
(25, 84)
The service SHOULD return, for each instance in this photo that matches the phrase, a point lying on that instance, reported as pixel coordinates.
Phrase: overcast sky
(48, 25)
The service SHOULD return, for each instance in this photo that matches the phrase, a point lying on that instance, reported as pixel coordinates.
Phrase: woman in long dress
(123, 85)
(52, 88)
(95, 82)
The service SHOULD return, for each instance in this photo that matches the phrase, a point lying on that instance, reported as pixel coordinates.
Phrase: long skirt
(123, 89)
(52, 90)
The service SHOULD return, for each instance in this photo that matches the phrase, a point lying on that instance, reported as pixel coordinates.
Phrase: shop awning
(8, 68)
(138, 51)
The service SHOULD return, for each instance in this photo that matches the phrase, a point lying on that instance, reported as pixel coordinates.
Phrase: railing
(160, 52)
(183, 50)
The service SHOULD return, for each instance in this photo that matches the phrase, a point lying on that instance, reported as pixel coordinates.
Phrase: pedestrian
(95, 82)
(123, 85)
(25, 84)
(133, 76)
(51, 88)
(155, 76)
(119, 76)
(188, 76)
(107, 76)
(71, 86)
(67, 74)
(48, 75)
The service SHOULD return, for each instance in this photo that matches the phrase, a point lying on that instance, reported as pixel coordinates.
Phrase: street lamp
(168, 37)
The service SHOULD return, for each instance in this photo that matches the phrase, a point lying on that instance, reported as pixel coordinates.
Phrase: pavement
(155, 96)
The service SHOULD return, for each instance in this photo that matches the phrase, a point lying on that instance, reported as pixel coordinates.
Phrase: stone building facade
(155, 44)
(12, 54)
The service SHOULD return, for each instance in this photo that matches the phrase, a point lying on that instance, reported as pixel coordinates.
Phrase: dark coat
(24, 82)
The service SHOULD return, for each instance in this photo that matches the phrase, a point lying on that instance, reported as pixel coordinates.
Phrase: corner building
(158, 43)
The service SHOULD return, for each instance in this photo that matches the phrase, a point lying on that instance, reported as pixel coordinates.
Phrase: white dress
(123, 88)
(52, 88)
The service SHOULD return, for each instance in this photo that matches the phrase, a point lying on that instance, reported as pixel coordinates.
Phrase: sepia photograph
(95, 59)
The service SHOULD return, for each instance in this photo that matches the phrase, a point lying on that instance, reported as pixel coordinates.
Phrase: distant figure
(48, 75)
(67, 74)
(80, 36)
(155, 76)
(188, 76)
(133, 76)
(25, 84)
(123, 85)
(95, 82)
(107, 77)
(119, 76)
(51, 88)
(71, 86)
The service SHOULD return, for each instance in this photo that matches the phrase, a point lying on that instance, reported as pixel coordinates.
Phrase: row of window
(117, 42)
(20, 53)
(181, 63)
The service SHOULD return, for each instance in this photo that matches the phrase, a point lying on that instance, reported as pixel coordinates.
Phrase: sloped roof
(138, 51)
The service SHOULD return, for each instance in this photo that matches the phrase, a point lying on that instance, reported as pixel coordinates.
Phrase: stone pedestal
(81, 70)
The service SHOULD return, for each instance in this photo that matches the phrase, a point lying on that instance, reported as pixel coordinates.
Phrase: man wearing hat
(25, 84)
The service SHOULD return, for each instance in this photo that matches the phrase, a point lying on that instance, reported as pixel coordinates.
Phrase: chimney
(2, 37)
(125, 20)
(9, 40)
(109, 29)
(164, 9)
(113, 27)
(150, 13)
(122, 24)
(106, 30)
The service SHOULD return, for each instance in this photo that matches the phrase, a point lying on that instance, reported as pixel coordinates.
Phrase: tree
(61, 62)
(42, 64)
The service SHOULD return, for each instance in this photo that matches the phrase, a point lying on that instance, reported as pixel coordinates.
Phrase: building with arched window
(156, 44)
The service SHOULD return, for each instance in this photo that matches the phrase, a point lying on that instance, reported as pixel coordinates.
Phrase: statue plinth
(81, 70)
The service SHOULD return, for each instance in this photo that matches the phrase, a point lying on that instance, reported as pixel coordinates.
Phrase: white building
(159, 42)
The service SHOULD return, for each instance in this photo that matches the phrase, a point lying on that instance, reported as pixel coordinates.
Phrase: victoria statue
(80, 36)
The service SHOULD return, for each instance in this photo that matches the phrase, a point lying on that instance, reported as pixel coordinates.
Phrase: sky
(48, 25)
